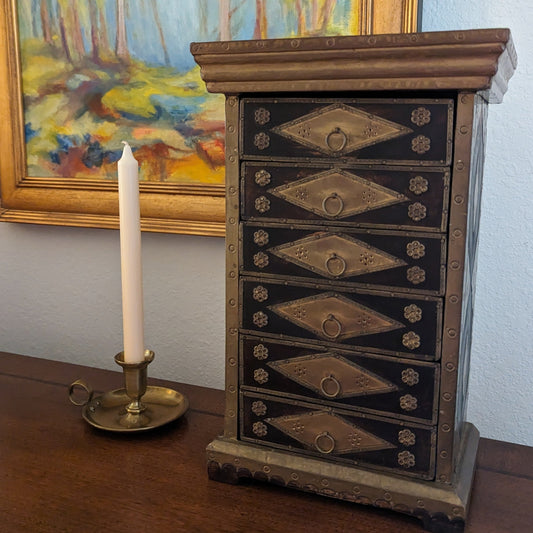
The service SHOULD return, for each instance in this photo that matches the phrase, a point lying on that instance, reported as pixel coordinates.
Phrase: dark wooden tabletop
(59, 474)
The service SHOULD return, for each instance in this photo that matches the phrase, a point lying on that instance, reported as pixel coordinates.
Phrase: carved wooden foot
(440, 523)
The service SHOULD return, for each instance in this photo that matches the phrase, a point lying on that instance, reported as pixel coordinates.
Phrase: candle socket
(136, 407)
(135, 381)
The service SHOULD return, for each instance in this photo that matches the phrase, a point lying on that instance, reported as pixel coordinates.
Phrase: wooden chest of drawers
(352, 214)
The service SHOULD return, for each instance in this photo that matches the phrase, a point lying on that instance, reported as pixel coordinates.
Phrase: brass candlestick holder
(136, 407)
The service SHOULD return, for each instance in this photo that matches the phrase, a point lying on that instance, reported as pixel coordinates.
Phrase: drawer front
(399, 131)
(372, 197)
(375, 322)
(409, 262)
(338, 435)
(376, 384)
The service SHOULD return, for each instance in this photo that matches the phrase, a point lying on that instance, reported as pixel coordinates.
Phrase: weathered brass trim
(423, 499)
(345, 387)
(453, 299)
(478, 60)
(233, 248)
(351, 119)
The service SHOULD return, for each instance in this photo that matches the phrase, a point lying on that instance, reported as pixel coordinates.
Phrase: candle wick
(125, 142)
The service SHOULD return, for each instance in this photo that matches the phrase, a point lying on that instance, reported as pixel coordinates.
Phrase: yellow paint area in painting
(134, 97)
(168, 136)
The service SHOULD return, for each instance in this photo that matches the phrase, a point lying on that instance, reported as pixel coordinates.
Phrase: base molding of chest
(441, 507)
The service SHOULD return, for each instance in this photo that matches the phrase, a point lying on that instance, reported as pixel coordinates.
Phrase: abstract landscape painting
(96, 72)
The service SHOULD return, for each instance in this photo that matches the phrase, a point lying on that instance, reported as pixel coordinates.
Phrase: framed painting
(79, 76)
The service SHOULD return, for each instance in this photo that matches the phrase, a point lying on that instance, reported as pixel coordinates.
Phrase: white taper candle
(130, 257)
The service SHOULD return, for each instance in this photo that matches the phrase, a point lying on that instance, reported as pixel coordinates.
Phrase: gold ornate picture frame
(167, 205)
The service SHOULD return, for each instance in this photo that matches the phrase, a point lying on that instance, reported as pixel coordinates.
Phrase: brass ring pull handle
(326, 447)
(339, 139)
(80, 383)
(333, 197)
(331, 320)
(324, 384)
(332, 260)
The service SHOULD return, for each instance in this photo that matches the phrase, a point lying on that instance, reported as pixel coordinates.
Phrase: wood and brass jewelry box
(353, 180)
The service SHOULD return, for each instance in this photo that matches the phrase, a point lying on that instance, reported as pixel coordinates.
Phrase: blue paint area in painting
(176, 108)
(29, 132)
(94, 155)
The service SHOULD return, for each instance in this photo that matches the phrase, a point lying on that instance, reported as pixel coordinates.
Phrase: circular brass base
(109, 412)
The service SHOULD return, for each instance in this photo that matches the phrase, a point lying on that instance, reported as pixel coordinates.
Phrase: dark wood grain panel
(397, 113)
(403, 338)
(412, 458)
(427, 187)
(378, 383)
(371, 259)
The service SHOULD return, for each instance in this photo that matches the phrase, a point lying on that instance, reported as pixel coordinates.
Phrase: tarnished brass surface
(137, 407)
(349, 194)
(337, 434)
(370, 383)
(424, 499)
(476, 60)
(332, 316)
(336, 255)
(353, 262)
(340, 129)
(332, 376)
(337, 194)
(328, 433)
(109, 411)
(361, 130)
(364, 319)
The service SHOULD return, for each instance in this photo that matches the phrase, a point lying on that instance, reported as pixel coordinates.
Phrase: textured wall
(60, 299)
(60, 287)
(501, 392)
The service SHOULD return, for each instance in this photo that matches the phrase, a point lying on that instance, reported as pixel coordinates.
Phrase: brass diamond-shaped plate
(336, 255)
(334, 317)
(332, 376)
(339, 129)
(328, 433)
(337, 194)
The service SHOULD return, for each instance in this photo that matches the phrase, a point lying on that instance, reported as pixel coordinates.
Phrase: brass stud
(232, 361)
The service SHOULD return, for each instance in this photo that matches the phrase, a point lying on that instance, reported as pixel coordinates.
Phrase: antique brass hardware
(330, 440)
(330, 319)
(336, 140)
(335, 197)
